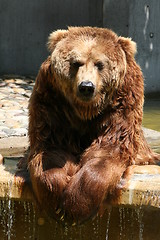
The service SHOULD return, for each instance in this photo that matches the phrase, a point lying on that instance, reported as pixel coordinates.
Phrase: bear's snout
(86, 90)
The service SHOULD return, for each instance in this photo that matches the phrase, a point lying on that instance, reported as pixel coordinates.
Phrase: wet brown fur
(79, 150)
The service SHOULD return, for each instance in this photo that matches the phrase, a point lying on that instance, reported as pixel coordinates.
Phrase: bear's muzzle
(86, 90)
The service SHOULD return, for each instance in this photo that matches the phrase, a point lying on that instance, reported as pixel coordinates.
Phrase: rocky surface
(14, 95)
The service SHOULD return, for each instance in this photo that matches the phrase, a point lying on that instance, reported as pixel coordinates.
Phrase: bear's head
(89, 65)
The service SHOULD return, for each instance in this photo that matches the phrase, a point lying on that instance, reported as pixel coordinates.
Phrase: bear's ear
(128, 46)
(55, 37)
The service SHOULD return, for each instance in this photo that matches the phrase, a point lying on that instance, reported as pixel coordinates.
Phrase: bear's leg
(49, 174)
(89, 187)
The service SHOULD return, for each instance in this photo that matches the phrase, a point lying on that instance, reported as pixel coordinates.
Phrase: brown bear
(85, 117)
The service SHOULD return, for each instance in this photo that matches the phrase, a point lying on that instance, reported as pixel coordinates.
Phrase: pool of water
(151, 117)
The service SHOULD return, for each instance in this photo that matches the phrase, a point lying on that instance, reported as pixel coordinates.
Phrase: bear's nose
(86, 89)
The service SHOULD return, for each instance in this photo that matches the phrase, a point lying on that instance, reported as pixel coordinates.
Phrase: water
(10, 213)
(15, 222)
(19, 221)
(151, 117)
(108, 223)
(140, 213)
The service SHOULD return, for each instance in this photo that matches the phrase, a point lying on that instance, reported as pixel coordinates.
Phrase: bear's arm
(103, 165)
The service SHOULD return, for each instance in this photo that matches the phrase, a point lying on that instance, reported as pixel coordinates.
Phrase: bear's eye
(99, 65)
(77, 64)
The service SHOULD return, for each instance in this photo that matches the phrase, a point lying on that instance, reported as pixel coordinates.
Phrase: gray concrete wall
(140, 20)
(25, 26)
(145, 30)
(116, 16)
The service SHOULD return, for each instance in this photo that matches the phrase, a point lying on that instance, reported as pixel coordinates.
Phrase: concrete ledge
(152, 136)
(143, 188)
(14, 184)
(13, 146)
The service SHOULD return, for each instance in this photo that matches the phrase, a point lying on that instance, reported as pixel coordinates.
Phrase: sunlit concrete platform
(14, 184)
(143, 187)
